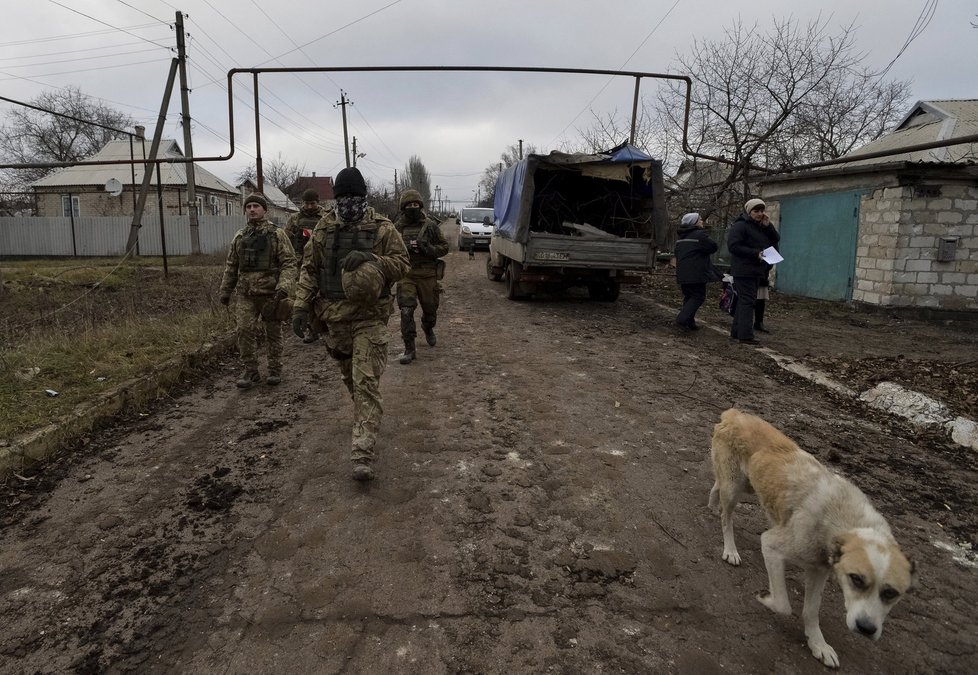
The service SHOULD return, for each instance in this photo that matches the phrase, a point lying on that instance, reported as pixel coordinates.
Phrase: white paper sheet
(771, 256)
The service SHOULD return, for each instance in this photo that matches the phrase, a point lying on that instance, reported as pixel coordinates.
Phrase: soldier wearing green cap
(261, 270)
(426, 245)
(350, 263)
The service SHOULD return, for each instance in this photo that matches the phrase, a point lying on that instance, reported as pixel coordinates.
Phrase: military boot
(362, 471)
(409, 353)
(248, 379)
(429, 335)
(274, 377)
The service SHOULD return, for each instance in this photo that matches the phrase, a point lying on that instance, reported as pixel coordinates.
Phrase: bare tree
(278, 172)
(771, 100)
(416, 177)
(29, 136)
(509, 157)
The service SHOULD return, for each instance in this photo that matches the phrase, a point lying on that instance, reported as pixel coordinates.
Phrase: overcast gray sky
(458, 123)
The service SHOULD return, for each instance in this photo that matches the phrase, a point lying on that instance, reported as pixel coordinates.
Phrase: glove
(427, 249)
(225, 300)
(281, 294)
(354, 259)
(300, 322)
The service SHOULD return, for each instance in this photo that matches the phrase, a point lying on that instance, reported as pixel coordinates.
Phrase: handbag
(728, 298)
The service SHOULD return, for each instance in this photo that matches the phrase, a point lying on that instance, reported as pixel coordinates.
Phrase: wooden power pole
(187, 142)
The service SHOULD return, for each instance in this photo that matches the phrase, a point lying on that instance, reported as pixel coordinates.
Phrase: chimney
(140, 131)
(313, 174)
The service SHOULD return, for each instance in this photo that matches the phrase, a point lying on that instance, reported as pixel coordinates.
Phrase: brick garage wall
(896, 256)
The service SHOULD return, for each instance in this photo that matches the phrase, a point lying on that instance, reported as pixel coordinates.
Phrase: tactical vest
(303, 222)
(338, 244)
(257, 251)
(411, 231)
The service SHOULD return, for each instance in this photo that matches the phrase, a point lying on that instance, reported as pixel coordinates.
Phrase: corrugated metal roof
(170, 174)
(929, 121)
(272, 194)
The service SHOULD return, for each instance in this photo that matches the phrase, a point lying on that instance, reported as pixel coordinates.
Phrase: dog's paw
(732, 557)
(782, 607)
(824, 653)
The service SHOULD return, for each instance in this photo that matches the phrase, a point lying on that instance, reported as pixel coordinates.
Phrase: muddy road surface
(540, 506)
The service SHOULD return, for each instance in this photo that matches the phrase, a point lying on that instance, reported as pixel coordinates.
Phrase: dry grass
(81, 327)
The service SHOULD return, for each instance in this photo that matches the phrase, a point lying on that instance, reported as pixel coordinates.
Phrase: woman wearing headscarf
(693, 267)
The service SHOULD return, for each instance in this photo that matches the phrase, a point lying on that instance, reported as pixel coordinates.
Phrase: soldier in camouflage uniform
(354, 256)
(425, 244)
(260, 269)
(299, 227)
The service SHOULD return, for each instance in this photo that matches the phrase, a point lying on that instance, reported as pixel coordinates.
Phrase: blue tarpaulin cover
(514, 186)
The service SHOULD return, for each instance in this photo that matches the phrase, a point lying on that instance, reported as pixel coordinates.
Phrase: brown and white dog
(819, 521)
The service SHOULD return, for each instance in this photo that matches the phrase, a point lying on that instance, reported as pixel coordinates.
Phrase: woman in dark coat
(693, 267)
(747, 237)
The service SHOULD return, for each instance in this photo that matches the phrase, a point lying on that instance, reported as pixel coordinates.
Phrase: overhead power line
(71, 9)
(923, 20)
(122, 2)
(74, 36)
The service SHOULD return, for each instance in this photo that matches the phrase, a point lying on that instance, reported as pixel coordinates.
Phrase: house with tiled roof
(898, 231)
(112, 189)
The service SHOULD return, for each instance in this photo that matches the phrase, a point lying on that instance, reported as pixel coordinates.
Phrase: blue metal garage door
(818, 242)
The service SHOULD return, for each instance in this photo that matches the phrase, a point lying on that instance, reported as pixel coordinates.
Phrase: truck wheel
(492, 272)
(513, 272)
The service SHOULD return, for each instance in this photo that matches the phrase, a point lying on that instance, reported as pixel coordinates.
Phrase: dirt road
(540, 507)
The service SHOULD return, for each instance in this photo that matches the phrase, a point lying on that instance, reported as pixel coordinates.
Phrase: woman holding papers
(747, 239)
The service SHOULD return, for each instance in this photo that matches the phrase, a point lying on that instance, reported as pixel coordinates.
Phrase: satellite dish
(113, 187)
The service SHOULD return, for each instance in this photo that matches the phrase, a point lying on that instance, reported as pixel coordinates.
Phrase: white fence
(99, 236)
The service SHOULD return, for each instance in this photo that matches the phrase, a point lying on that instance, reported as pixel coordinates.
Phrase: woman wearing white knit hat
(747, 238)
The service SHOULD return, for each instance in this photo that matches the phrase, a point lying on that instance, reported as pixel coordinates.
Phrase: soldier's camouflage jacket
(429, 231)
(320, 260)
(260, 261)
(297, 222)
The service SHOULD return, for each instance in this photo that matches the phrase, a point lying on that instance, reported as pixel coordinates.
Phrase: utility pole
(153, 150)
(521, 148)
(187, 142)
(356, 155)
(342, 103)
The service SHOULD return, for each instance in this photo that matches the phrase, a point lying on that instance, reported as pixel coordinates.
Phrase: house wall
(899, 234)
(100, 203)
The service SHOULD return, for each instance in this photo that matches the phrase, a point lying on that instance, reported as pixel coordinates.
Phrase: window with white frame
(228, 208)
(215, 205)
(70, 206)
(200, 206)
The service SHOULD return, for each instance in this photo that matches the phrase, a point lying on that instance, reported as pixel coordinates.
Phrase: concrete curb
(44, 442)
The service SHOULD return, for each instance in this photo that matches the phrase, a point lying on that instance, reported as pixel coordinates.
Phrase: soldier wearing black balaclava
(425, 244)
(351, 261)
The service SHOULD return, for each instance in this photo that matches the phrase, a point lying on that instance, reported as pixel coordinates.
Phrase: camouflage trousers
(360, 347)
(247, 315)
(414, 291)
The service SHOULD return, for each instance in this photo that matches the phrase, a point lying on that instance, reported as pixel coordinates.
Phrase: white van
(474, 228)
